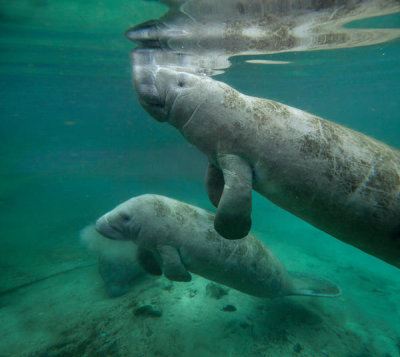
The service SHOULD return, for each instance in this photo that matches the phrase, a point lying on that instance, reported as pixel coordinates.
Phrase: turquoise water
(75, 142)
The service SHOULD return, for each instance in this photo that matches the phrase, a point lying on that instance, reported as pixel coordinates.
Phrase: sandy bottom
(70, 314)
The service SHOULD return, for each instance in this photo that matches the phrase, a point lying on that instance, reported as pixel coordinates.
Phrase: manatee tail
(309, 285)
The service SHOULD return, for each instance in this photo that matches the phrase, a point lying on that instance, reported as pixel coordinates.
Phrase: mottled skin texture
(177, 238)
(339, 180)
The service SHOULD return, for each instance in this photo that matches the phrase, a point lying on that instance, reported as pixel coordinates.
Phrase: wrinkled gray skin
(341, 181)
(175, 238)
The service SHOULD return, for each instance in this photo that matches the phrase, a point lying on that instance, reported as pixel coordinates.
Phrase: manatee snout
(145, 84)
(146, 34)
(106, 229)
(150, 95)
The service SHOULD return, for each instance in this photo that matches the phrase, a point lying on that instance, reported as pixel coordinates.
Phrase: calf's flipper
(148, 262)
(171, 264)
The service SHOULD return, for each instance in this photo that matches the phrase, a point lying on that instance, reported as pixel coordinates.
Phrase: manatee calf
(339, 180)
(175, 238)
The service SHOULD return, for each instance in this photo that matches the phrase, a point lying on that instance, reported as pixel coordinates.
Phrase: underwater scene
(200, 178)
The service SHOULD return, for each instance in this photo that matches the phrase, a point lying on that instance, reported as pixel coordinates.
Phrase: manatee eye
(181, 84)
(124, 216)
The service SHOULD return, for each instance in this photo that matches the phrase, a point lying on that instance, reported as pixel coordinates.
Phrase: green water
(75, 142)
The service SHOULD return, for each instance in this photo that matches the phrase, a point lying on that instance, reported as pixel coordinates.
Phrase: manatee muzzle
(105, 228)
(150, 97)
(145, 83)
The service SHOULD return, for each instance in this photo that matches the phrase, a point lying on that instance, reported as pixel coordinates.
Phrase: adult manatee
(339, 180)
(175, 238)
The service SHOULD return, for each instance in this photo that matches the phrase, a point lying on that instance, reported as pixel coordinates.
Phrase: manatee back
(246, 265)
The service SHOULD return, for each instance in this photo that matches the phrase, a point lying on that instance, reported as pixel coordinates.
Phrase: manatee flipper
(148, 262)
(309, 285)
(171, 264)
(233, 218)
(214, 184)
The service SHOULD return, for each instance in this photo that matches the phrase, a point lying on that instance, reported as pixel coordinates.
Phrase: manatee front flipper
(233, 218)
(148, 262)
(214, 184)
(171, 264)
(308, 285)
